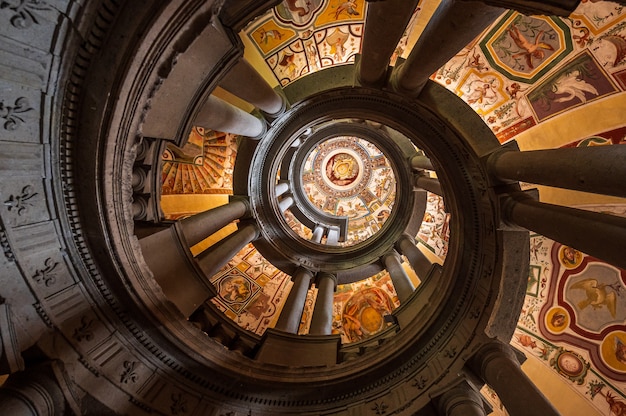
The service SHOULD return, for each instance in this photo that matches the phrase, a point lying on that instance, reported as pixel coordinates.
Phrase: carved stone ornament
(20, 203)
(47, 275)
(13, 114)
(24, 11)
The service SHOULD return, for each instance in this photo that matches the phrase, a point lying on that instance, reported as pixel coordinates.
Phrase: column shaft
(285, 203)
(401, 281)
(453, 25)
(215, 257)
(33, 392)
(421, 162)
(332, 239)
(200, 226)
(430, 184)
(246, 83)
(318, 233)
(497, 365)
(599, 169)
(386, 22)
(217, 114)
(289, 319)
(600, 235)
(419, 262)
(322, 320)
(282, 188)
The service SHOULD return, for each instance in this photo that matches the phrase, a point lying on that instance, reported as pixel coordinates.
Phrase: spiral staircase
(108, 310)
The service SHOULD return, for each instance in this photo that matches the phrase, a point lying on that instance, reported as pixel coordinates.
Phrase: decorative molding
(88, 366)
(179, 404)
(43, 315)
(21, 203)
(6, 247)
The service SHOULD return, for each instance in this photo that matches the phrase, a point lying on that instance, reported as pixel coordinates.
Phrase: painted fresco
(574, 313)
(297, 38)
(203, 166)
(525, 48)
(360, 308)
(579, 81)
(434, 232)
(250, 290)
(524, 70)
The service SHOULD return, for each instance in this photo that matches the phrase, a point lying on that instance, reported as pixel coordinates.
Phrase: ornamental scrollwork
(47, 275)
(21, 202)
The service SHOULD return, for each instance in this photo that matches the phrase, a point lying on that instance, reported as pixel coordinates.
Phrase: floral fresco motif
(579, 81)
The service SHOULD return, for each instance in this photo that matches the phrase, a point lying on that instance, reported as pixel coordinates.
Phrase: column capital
(326, 275)
(490, 351)
(462, 399)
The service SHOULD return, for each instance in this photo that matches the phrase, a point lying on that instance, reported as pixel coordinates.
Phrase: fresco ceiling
(521, 72)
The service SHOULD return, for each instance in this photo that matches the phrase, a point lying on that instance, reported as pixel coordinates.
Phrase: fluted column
(401, 280)
(496, 364)
(386, 22)
(289, 319)
(217, 114)
(200, 226)
(33, 392)
(430, 184)
(461, 400)
(453, 25)
(215, 257)
(246, 83)
(421, 162)
(599, 169)
(418, 261)
(322, 320)
(600, 235)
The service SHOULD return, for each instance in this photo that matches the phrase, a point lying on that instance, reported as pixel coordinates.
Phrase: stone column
(419, 262)
(600, 235)
(421, 162)
(217, 114)
(285, 203)
(496, 364)
(599, 169)
(453, 25)
(429, 184)
(332, 238)
(386, 22)
(322, 320)
(289, 319)
(33, 392)
(318, 233)
(215, 257)
(200, 226)
(281, 188)
(246, 83)
(401, 281)
(461, 400)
